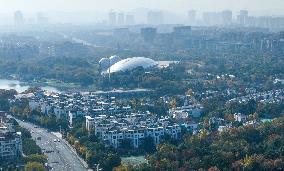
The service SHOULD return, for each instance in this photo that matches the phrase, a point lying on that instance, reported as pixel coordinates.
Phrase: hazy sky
(178, 6)
(86, 11)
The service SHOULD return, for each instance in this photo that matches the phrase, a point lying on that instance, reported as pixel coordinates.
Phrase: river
(20, 87)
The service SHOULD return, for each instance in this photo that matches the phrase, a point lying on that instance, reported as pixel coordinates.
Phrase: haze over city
(141, 85)
(91, 11)
(175, 6)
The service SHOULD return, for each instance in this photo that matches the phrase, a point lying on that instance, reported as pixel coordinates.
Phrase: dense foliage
(5, 95)
(29, 145)
(35, 166)
(21, 110)
(72, 70)
(164, 81)
(243, 148)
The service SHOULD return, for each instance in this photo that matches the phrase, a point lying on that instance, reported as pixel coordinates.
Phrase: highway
(61, 156)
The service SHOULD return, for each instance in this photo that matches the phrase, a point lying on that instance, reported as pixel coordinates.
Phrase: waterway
(20, 86)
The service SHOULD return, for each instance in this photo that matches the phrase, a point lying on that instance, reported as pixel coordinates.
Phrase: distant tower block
(120, 19)
(191, 17)
(18, 18)
(155, 17)
(149, 34)
(112, 18)
(129, 20)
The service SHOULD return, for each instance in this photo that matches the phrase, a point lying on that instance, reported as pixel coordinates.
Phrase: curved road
(61, 156)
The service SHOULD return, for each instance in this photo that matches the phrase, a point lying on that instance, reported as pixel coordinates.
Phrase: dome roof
(114, 59)
(131, 63)
(104, 63)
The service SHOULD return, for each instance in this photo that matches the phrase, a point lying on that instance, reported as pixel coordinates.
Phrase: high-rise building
(182, 31)
(244, 12)
(155, 17)
(191, 17)
(18, 18)
(227, 17)
(41, 19)
(149, 34)
(112, 18)
(129, 19)
(243, 17)
(281, 35)
(212, 18)
(121, 33)
(120, 19)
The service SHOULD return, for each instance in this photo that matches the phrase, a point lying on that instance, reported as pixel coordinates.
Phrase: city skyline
(179, 6)
(95, 11)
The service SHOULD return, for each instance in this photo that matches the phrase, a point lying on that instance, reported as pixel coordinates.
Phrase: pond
(20, 87)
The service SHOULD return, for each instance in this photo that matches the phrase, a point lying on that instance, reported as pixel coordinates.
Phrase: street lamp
(109, 63)
(98, 167)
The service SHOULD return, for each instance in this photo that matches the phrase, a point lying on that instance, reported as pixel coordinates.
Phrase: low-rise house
(216, 121)
(113, 130)
(223, 128)
(59, 112)
(240, 117)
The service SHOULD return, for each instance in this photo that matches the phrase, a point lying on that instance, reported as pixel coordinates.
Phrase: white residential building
(10, 141)
(89, 122)
(240, 117)
(114, 130)
(10, 146)
(59, 112)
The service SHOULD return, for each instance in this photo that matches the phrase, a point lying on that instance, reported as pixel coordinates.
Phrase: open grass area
(134, 160)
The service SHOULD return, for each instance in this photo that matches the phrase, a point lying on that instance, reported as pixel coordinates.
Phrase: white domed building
(104, 63)
(107, 62)
(114, 59)
(131, 63)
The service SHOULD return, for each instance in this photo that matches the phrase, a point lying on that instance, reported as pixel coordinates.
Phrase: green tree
(36, 158)
(30, 147)
(148, 145)
(35, 166)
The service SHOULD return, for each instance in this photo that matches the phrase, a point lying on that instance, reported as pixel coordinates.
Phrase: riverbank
(20, 86)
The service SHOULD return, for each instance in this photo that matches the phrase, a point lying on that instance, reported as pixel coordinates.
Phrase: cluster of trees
(70, 70)
(5, 95)
(165, 81)
(29, 145)
(250, 69)
(18, 52)
(21, 110)
(271, 110)
(243, 148)
(217, 107)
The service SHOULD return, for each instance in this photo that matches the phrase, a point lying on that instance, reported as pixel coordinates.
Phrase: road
(61, 156)
(78, 40)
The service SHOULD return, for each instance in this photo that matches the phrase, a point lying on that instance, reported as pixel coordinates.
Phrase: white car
(56, 140)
